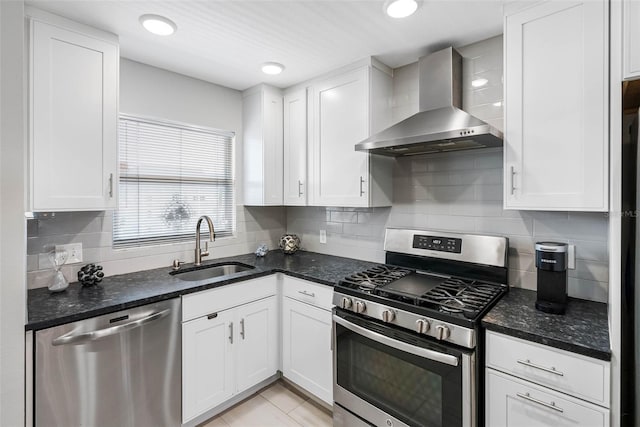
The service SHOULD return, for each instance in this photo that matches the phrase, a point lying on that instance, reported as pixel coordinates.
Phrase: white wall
(461, 192)
(160, 94)
(12, 221)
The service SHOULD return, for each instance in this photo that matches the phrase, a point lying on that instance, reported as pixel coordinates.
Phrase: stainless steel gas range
(406, 335)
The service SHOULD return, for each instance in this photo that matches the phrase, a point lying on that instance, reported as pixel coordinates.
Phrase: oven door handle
(382, 339)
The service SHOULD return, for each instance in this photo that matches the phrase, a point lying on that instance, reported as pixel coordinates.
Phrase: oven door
(390, 378)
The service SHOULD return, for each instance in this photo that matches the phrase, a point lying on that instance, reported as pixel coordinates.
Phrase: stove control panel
(442, 244)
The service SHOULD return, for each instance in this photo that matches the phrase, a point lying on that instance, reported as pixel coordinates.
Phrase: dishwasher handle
(70, 338)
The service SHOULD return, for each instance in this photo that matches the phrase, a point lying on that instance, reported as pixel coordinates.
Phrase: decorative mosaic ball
(289, 243)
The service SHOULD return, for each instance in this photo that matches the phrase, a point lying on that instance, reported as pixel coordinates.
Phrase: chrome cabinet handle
(551, 370)
(231, 332)
(242, 328)
(400, 345)
(300, 188)
(513, 180)
(102, 333)
(309, 294)
(551, 405)
(361, 186)
(111, 185)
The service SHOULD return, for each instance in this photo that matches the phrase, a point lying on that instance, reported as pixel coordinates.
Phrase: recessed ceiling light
(401, 8)
(497, 104)
(159, 25)
(272, 68)
(479, 82)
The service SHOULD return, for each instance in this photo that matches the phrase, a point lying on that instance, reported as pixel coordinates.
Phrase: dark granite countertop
(124, 291)
(583, 329)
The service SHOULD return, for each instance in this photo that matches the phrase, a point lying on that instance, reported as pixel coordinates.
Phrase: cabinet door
(306, 340)
(556, 99)
(73, 120)
(257, 342)
(295, 148)
(511, 402)
(340, 120)
(262, 146)
(631, 39)
(207, 363)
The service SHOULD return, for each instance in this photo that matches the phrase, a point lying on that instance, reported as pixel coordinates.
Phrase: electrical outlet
(571, 255)
(74, 252)
(323, 236)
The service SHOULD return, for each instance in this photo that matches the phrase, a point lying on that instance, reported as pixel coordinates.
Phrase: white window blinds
(170, 175)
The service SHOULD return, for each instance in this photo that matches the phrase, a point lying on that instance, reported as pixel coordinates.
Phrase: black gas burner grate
(456, 295)
(374, 277)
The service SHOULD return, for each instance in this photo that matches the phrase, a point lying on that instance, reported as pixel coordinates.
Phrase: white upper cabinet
(631, 41)
(556, 106)
(295, 148)
(73, 117)
(344, 110)
(263, 163)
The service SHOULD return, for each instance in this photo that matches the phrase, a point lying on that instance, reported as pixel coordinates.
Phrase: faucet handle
(176, 264)
(206, 249)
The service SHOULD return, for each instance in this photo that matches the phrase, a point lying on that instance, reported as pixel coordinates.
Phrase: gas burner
(456, 295)
(368, 280)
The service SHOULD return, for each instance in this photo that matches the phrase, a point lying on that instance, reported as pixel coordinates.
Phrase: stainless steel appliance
(120, 369)
(551, 263)
(441, 125)
(406, 341)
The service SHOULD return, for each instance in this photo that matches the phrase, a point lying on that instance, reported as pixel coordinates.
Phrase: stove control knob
(422, 326)
(360, 307)
(388, 316)
(442, 332)
(346, 303)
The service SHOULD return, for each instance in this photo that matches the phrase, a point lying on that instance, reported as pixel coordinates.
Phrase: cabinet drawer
(577, 375)
(512, 402)
(228, 296)
(311, 293)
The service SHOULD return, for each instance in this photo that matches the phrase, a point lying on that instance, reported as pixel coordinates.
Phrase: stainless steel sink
(211, 271)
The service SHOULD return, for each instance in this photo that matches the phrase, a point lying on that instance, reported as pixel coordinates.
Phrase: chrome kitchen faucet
(212, 238)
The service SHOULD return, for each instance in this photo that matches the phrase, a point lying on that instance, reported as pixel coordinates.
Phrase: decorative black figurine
(90, 275)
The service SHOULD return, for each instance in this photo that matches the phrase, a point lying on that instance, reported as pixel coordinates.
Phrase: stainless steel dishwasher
(120, 369)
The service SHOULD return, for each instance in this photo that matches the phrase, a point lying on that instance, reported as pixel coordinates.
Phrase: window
(170, 175)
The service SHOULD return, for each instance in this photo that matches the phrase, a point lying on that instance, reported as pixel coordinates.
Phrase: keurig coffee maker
(551, 262)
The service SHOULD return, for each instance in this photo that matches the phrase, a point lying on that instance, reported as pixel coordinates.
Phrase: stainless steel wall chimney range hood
(440, 125)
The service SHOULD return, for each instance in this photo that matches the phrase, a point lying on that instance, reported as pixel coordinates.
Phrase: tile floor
(275, 406)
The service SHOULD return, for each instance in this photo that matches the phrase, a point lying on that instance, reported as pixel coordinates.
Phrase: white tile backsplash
(254, 225)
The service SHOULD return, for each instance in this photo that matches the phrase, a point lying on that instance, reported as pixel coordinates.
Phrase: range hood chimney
(441, 125)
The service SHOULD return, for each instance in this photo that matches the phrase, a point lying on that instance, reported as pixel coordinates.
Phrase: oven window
(418, 391)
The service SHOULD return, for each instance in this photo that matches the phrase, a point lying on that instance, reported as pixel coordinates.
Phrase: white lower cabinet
(257, 346)
(512, 402)
(307, 358)
(207, 363)
(534, 385)
(231, 340)
(306, 340)
(227, 351)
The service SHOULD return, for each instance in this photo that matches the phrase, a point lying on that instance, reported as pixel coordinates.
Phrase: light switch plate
(74, 251)
(323, 236)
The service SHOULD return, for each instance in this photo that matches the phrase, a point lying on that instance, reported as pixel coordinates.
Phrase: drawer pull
(551, 405)
(551, 370)
(309, 294)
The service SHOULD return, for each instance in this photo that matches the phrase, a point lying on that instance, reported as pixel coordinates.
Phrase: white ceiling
(226, 41)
